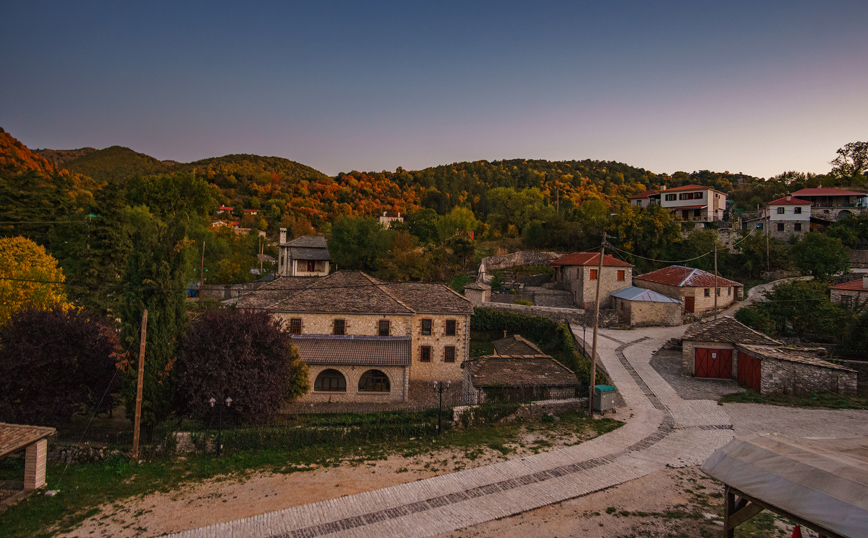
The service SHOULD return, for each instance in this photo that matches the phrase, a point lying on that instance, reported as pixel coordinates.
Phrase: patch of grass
(833, 401)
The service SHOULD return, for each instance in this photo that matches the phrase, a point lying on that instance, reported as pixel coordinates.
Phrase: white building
(694, 203)
(787, 216)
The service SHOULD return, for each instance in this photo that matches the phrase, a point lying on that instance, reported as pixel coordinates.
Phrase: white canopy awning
(822, 481)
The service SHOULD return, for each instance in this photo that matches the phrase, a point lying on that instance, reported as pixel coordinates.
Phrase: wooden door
(713, 363)
(749, 372)
(689, 303)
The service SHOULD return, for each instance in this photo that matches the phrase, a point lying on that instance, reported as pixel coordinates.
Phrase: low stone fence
(861, 368)
(530, 410)
(560, 315)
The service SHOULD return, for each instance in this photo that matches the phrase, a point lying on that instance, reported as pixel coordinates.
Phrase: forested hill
(115, 164)
(16, 158)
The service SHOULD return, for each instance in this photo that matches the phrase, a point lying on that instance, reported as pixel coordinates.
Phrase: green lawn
(833, 401)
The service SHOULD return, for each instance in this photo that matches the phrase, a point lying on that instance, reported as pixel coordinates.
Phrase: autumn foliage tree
(29, 276)
(55, 362)
(241, 354)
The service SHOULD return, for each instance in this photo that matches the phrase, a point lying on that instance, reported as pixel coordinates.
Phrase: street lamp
(439, 387)
(228, 402)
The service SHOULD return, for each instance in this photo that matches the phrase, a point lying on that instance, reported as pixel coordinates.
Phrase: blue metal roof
(632, 293)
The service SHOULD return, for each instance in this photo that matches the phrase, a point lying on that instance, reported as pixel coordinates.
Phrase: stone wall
(850, 298)
(644, 314)
(572, 315)
(861, 368)
(728, 295)
(398, 383)
(586, 289)
(798, 378)
(789, 228)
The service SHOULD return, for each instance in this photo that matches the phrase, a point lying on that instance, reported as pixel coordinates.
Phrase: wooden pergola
(820, 484)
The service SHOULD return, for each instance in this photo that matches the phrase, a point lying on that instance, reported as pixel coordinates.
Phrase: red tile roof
(225, 208)
(644, 194)
(791, 201)
(690, 188)
(853, 285)
(827, 191)
(686, 277)
(590, 258)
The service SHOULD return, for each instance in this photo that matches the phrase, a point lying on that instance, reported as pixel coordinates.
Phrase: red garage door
(749, 372)
(715, 363)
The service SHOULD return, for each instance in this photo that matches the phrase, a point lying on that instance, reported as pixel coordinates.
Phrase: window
(707, 292)
(425, 355)
(374, 381)
(593, 274)
(340, 327)
(782, 210)
(449, 354)
(797, 210)
(797, 227)
(384, 327)
(330, 381)
(311, 266)
(426, 326)
(697, 195)
(295, 326)
(697, 213)
(729, 291)
(451, 326)
(622, 275)
(719, 291)
(670, 197)
(780, 226)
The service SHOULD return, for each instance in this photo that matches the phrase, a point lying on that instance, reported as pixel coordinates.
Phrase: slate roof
(354, 350)
(632, 293)
(519, 371)
(644, 194)
(726, 329)
(810, 357)
(475, 285)
(791, 201)
(826, 191)
(590, 258)
(516, 345)
(354, 292)
(300, 253)
(686, 277)
(14, 437)
(307, 241)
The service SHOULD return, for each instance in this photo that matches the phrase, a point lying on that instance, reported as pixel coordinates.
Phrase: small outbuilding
(478, 293)
(516, 345)
(639, 307)
(517, 378)
(34, 441)
(695, 288)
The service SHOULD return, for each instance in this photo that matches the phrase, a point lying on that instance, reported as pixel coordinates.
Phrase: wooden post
(139, 383)
(596, 326)
(715, 279)
(728, 510)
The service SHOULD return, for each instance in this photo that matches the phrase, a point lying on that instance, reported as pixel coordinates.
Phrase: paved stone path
(663, 431)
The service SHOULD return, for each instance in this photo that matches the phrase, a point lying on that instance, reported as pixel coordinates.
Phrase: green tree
(406, 259)
(645, 233)
(459, 220)
(820, 255)
(851, 164)
(512, 210)
(756, 252)
(358, 243)
(423, 224)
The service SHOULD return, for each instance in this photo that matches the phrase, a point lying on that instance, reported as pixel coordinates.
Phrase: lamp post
(228, 402)
(439, 387)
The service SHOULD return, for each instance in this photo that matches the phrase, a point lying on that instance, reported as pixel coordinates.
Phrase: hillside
(16, 158)
(60, 156)
(115, 164)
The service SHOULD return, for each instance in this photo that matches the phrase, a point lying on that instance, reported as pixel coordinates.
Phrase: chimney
(282, 236)
(865, 282)
(789, 197)
(662, 188)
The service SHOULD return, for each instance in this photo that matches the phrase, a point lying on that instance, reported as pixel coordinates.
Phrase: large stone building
(366, 340)
(834, 204)
(577, 273)
(695, 288)
(307, 255)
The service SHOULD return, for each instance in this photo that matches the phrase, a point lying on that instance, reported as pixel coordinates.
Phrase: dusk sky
(754, 87)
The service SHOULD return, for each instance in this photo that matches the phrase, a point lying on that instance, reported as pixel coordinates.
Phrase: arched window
(374, 381)
(331, 381)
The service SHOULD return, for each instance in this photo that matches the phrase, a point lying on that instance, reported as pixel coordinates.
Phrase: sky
(752, 87)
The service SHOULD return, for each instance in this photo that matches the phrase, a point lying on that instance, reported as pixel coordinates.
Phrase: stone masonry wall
(688, 355)
(797, 378)
(355, 324)
(608, 283)
(438, 369)
(352, 374)
(654, 314)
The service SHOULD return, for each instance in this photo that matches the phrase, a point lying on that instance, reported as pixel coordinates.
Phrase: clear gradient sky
(754, 87)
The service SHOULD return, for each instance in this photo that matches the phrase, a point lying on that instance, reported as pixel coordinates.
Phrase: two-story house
(578, 273)
(787, 216)
(694, 203)
(366, 340)
(834, 204)
(645, 198)
(307, 255)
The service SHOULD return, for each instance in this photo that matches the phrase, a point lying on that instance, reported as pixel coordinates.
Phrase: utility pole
(202, 274)
(596, 327)
(138, 418)
(715, 279)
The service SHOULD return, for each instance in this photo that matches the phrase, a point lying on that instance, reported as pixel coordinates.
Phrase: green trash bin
(604, 398)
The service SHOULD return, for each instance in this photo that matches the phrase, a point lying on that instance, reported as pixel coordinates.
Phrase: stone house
(726, 349)
(834, 204)
(639, 307)
(694, 203)
(367, 340)
(787, 217)
(695, 288)
(577, 273)
(853, 294)
(303, 256)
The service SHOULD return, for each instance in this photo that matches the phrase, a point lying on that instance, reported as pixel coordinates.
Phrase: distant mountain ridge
(60, 156)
